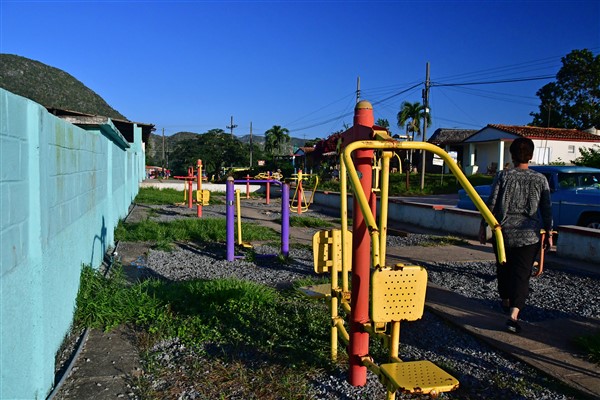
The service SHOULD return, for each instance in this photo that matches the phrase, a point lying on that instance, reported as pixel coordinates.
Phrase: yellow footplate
(321, 291)
(423, 377)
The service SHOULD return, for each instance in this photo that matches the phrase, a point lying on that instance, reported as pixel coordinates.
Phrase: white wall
(559, 149)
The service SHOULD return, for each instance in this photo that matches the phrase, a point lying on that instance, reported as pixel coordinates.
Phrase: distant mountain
(256, 139)
(51, 87)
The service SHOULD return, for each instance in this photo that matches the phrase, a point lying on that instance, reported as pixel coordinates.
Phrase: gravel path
(482, 371)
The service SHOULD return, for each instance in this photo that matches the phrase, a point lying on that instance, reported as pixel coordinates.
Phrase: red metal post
(190, 182)
(361, 245)
(247, 186)
(199, 188)
(299, 192)
(268, 188)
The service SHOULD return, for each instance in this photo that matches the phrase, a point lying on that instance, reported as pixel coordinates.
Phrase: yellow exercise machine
(393, 293)
(299, 203)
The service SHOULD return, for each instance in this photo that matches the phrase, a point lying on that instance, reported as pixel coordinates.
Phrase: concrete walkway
(108, 364)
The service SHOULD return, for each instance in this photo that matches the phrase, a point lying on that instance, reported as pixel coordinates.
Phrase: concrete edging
(575, 241)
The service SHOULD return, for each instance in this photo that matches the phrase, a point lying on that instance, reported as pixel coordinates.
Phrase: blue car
(575, 193)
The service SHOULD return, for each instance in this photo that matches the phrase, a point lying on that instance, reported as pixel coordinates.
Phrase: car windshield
(569, 181)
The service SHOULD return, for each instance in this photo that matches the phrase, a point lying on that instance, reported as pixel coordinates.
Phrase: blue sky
(191, 65)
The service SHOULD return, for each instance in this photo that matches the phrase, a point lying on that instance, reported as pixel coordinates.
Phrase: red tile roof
(535, 132)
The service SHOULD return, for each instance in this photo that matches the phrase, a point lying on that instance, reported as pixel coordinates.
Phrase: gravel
(482, 371)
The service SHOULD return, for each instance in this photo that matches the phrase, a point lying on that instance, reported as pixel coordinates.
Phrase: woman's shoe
(513, 326)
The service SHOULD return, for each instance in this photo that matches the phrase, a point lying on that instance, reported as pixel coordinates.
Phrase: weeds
(444, 241)
(591, 345)
(154, 196)
(309, 222)
(434, 184)
(158, 196)
(224, 311)
(195, 230)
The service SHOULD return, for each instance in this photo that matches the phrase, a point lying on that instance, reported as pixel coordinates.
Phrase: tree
(312, 142)
(573, 101)
(275, 138)
(590, 157)
(384, 123)
(412, 113)
(215, 148)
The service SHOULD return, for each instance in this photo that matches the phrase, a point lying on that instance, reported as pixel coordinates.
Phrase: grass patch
(309, 222)
(150, 195)
(196, 230)
(433, 241)
(591, 345)
(106, 302)
(434, 184)
(226, 312)
(154, 196)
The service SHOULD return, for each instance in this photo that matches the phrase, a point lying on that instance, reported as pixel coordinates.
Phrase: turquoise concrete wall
(62, 191)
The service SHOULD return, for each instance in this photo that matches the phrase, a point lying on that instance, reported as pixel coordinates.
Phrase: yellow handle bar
(462, 179)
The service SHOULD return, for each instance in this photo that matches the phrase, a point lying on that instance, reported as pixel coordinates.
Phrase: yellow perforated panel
(327, 255)
(419, 377)
(398, 294)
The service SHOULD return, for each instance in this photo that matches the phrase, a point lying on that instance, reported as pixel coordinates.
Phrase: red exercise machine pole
(199, 188)
(247, 186)
(268, 188)
(299, 192)
(190, 182)
(361, 245)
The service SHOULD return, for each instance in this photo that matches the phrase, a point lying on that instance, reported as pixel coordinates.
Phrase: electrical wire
(346, 114)
(534, 78)
(490, 95)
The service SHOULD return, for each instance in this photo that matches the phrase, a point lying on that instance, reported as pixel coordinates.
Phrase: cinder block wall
(62, 192)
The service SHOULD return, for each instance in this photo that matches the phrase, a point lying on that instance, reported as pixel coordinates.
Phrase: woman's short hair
(521, 150)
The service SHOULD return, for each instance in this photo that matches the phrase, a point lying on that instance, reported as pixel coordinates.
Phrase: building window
(571, 149)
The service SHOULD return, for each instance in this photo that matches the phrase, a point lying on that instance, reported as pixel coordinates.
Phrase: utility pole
(231, 126)
(426, 104)
(357, 89)
(250, 144)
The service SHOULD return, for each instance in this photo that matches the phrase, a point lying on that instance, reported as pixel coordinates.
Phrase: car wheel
(591, 221)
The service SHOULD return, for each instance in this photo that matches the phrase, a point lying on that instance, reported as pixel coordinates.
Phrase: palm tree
(412, 113)
(384, 123)
(275, 138)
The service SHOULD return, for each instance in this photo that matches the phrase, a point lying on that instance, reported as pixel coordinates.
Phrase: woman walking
(520, 201)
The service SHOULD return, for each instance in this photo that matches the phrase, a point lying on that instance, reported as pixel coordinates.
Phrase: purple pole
(285, 219)
(229, 194)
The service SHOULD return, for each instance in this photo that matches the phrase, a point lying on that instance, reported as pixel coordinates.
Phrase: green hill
(51, 87)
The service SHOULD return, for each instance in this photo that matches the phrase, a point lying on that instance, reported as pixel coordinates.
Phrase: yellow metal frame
(377, 167)
(238, 213)
(305, 204)
(203, 197)
(327, 250)
(278, 176)
(389, 284)
(377, 238)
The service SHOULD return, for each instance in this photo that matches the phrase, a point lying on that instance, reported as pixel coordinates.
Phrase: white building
(487, 151)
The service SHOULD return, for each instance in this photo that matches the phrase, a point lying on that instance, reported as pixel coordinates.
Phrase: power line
(515, 99)
(536, 78)
(351, 112)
